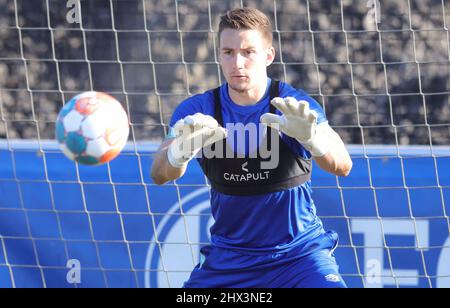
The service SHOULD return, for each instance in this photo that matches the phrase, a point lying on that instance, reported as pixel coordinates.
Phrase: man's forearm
(335, 163)
(162, 172)
(337, 160)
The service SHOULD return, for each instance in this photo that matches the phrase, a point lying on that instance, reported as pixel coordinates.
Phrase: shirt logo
(244, 167)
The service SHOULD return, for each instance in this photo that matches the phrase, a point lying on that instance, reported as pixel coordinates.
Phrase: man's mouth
(239, 76)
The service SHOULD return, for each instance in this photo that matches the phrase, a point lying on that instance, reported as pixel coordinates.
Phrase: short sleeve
(187, 107)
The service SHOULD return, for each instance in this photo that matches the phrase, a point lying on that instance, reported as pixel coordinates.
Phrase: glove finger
(178, 124)
(304, 109)
(209, 121)
(191, 120)
(280, 104)
(313, 116)
(292, 104)
(179, 127)
(199, 120)
(272, 120)
(218, 133)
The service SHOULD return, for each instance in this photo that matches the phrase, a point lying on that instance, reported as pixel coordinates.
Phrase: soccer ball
(92, 128)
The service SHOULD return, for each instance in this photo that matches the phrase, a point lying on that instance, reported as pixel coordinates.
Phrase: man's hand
(192, 134)
(300, 122)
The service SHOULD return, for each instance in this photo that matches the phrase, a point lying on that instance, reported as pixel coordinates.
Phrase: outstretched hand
(297, 121)
(192, 134)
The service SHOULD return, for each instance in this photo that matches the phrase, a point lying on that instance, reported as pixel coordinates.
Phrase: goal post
(379, 69)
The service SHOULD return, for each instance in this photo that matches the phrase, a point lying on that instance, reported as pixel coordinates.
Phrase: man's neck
(248, 98)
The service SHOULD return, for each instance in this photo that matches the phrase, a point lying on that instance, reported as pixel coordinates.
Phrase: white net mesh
(379, 69)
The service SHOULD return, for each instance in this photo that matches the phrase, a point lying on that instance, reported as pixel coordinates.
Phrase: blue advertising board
(110, 226)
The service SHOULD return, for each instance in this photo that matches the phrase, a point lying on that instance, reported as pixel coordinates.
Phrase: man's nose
(239, 61)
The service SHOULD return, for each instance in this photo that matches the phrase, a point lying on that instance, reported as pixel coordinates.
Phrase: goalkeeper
(266, 232)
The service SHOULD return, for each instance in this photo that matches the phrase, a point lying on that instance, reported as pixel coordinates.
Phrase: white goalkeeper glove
(300, 122)
(192, 134)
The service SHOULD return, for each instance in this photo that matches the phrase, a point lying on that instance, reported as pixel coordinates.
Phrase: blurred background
(385, 86)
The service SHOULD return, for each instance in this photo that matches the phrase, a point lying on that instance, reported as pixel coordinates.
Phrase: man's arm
(337, 160)
(162, 171)
(192, 133)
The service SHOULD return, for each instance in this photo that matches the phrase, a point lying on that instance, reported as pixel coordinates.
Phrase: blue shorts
(311, 265)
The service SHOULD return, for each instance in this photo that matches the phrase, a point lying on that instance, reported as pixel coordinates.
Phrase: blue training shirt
(272, 222)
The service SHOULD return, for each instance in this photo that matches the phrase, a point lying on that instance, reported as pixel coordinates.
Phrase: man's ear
(270, 55)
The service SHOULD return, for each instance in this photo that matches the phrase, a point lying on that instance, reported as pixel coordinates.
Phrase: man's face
(244, 57)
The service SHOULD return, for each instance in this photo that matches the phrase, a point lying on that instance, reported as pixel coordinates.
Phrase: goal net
(380, 69)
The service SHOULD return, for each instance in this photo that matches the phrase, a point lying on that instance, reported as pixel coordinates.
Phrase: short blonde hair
(247, 19)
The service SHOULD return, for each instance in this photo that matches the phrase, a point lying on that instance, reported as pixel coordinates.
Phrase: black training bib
(245, 176)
